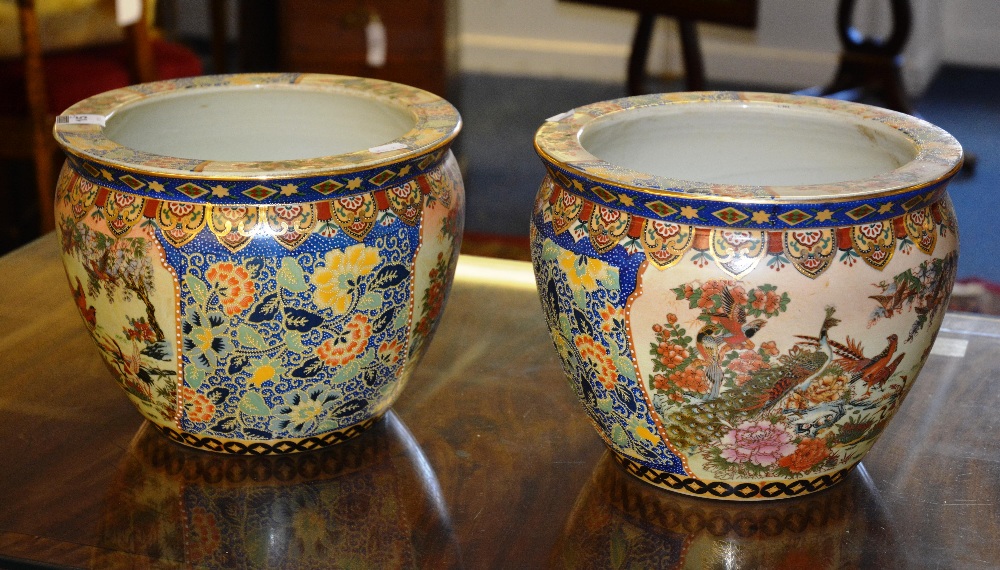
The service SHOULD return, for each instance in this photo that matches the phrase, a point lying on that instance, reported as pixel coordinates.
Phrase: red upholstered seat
(72, 76)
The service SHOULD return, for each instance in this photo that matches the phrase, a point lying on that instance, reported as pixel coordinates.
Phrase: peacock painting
(743, 408)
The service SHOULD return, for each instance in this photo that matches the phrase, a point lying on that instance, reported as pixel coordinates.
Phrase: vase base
(269, 447)
(730, 490)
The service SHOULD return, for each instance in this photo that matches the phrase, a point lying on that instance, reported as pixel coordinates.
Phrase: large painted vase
(743, 287)
(261, 259)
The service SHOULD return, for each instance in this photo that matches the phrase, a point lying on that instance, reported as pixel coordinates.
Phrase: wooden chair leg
(41, 125)
(636, 78)
(220, 49)
(45, 181)
(694, 66)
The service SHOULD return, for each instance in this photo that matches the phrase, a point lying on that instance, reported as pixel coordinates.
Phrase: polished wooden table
(486, 462)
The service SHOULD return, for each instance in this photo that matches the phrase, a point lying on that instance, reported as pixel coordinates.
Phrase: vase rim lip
(80, 129)
(938, 156)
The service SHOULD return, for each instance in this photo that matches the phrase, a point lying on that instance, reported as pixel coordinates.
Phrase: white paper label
(128, 12)
(376, 41)
(387, 148)
(81, 120)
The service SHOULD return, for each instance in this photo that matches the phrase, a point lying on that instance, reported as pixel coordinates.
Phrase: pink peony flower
(760, 442)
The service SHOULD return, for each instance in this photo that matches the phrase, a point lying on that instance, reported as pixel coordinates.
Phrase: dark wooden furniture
(738, 13)
(329, 37)
(487, 461)
(870, 67)
(39, 86)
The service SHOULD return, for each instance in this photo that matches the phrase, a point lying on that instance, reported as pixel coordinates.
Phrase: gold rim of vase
(80, 129)
(938, 156)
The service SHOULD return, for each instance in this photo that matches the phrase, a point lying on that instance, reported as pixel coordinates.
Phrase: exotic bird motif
(892, 302)
(87, 310)
(726, 330)
(802, 371)
(873, 371)
(702, 422)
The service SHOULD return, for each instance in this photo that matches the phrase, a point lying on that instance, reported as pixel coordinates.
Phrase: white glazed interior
(747, 145)
(257, 124)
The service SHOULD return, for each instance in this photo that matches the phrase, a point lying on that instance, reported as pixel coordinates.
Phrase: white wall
(972, 32)
(794, 46)
(545, 37)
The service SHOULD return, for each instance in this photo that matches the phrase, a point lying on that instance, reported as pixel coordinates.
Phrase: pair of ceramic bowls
(741, 287)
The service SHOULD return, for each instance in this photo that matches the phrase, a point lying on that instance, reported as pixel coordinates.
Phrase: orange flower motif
(612, 318)
(691, 379)
(672, 355)
(747, 362)
(661, 382)
(599, 358)
(389, 351)
(713, 287)
(341, 349)
(706, 302)
(236, 289)
(197, 407)
(807, 455)
(688, 290)
(767, 302)
(770, 347)
(740, 296)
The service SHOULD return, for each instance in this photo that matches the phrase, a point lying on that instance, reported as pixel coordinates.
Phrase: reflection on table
(619, 522)
(296, 511)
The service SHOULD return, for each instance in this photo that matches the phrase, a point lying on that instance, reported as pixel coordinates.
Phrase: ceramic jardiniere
(261, 259)
(743, 287)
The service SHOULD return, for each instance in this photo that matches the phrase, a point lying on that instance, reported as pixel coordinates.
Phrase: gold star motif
(156, 186)
(577, 185)
(761, 217)
(220, 191)
(289, 189)
(404, 171)
(885, 208)
(626, 200)
(824, 215)
(107, 175)
(689, 212)
(354, 183)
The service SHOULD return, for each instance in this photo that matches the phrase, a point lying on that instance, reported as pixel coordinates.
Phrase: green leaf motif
(198, 289)
(193, 376)
(250, 338)
(347, 372)
(327, 425)
(291, 276)
(253, 404)
(402, 318)
(370, 302)
(293, 339)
